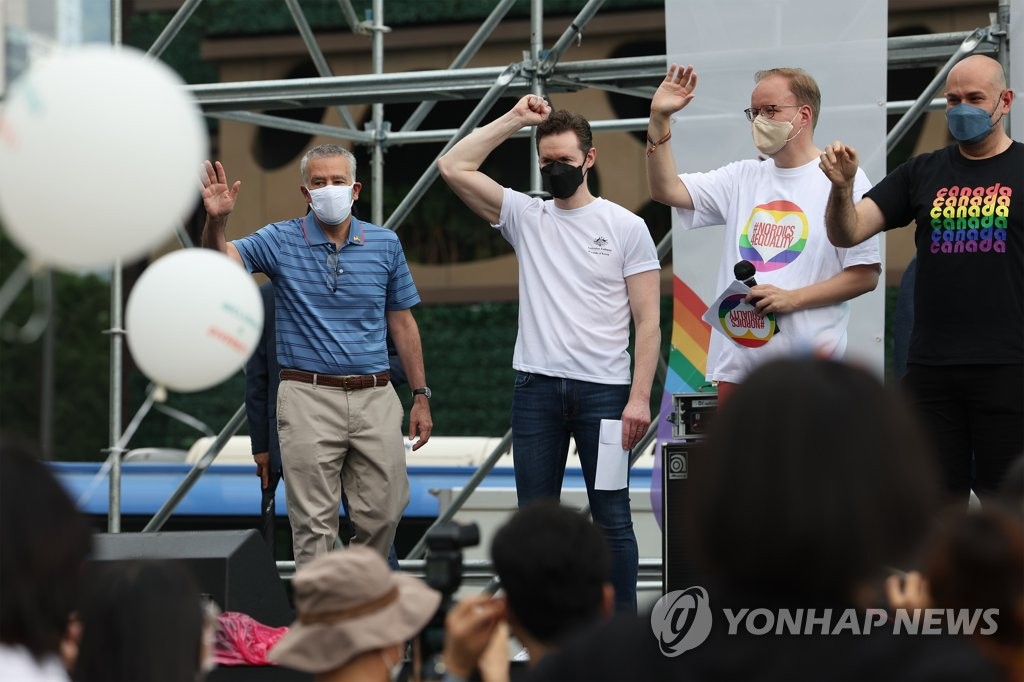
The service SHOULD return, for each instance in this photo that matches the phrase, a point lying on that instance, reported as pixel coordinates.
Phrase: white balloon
(99, 156)
(193, 318)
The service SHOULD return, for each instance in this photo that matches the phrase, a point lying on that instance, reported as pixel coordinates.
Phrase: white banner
(842, 45)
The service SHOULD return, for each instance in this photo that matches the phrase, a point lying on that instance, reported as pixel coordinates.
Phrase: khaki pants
(332, 437)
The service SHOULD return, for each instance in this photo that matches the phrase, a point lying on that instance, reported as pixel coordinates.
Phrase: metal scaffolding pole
(198, 469)
(903, 125)
(468, 52)
(172, 28)
(1001, 32)
(429, 175)
(379, 127)
(319, 61)
(13, 285)
(478, 476)
(350, 17)
(296, 126)
(573, 32)
(636, 76)
(445, 134)
(116, 332)
(536, 86)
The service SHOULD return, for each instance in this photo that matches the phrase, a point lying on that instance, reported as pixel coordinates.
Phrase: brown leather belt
(349, 383)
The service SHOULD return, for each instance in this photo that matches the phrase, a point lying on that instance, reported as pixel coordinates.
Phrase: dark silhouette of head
(141, 621)
(555, 569)
(817, 479)
(44, 542)
(975, 560)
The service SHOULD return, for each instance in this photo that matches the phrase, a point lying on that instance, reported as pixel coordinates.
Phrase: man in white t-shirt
(773, 212)
(587, 267)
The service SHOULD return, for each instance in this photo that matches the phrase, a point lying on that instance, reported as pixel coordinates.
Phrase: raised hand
(218, 198)
(839, 163)
(468, 629)
(676, 91)
(532, 109)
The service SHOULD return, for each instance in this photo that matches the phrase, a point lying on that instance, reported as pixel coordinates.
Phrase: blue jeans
(546, 411)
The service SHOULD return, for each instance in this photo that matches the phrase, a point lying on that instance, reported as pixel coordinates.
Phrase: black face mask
(561, 180)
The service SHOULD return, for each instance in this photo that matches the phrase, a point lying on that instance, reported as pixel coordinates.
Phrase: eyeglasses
(768, 110)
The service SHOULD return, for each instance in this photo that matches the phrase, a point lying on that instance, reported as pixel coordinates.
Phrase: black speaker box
(682, 464)
(234, 567)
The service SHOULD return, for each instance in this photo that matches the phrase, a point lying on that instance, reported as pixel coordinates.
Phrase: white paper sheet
(612, 460)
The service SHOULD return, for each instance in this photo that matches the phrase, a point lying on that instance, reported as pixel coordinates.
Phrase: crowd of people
(825, 490)
(824, 515)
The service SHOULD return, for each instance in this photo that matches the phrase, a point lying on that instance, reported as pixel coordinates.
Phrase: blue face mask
(969, 124)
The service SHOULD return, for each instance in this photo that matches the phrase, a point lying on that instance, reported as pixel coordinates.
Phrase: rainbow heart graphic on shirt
(743, 325)
(774, 236)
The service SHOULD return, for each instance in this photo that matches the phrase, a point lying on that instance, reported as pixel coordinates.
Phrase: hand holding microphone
(745, 271)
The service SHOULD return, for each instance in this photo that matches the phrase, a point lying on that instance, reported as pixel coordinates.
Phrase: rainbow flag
(687, 365)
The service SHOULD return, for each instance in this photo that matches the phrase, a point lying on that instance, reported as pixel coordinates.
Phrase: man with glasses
(341, 285)
(773, 212)
(965, 367)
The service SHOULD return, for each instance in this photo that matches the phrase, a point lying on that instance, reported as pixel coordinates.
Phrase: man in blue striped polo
(341, 285)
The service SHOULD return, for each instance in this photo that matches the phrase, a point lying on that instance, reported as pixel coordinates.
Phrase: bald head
(978, 70)
(979, 83)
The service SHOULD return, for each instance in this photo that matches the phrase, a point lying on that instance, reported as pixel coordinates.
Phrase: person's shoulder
(281, 228)
(738, 167)
(16, 663)
(286, 224)
(925, 657)
(514, 196)
(944, 154)
(373, 232)
(616, 209)
(748, 166)
(609, 650)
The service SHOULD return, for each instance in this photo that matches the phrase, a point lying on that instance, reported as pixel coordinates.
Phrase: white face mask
(770, 135)
(331, 204)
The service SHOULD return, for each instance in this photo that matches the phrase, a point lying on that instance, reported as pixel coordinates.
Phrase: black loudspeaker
(233, 566)
(682, 464)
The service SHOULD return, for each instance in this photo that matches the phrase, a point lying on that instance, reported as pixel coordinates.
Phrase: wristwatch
(421, 391)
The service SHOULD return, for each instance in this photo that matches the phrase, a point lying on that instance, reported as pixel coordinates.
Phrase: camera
(443, 571)
(444, 555)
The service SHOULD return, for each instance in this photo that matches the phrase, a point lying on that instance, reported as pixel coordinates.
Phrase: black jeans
(974, 415)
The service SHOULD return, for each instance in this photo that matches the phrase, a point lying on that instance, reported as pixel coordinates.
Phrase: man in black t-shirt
(965, 370)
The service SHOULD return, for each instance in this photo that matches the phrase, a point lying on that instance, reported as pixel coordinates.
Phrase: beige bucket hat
(349, 602)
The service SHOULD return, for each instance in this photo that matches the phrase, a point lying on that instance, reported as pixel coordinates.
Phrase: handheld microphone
(744, 271)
